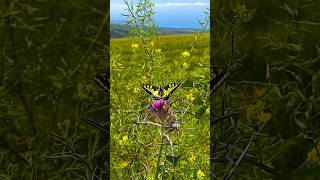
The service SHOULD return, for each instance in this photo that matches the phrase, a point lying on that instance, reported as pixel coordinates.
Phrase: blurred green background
(269, 51)
(51, 50)
(50, 53)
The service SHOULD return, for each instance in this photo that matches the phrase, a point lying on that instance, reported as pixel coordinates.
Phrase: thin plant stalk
(159, 156)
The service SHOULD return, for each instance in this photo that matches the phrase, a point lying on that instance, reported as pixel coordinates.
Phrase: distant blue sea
(171, 15)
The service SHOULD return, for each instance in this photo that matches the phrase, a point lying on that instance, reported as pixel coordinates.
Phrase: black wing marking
(152, 91)
(171, 88)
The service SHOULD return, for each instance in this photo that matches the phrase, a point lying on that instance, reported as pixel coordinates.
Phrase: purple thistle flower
(158, 104)
(161, 108)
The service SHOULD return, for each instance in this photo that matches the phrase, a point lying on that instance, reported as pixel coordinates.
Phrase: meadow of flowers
(141, 150)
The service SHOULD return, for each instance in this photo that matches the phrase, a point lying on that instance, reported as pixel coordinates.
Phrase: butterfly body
(157, 93)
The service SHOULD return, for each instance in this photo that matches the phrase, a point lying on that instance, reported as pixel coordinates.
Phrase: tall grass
(147, 151)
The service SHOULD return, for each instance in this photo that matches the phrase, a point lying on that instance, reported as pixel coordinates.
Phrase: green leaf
(300, 124)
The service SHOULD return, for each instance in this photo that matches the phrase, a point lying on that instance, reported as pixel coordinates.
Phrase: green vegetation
(265, 122)
(142, 146)
(264, 104)
(50, 52)
(135, 147)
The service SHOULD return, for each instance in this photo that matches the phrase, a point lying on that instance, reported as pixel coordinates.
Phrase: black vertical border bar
(108, 93)
(212, 29)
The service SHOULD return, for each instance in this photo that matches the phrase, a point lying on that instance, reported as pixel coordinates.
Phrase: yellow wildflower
(151, 44)
(312, 155)
(200, 174)
(255, 111)
(185, 65)
(192, 158)
(123, 140)
(190, 96)
(240, 11)
(264, 117)
(124, 164)
(158, 50)
(185, 54)
(134, 45)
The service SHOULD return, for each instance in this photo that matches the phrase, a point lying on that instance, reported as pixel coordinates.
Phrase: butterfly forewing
(169, 89)
(152, 91)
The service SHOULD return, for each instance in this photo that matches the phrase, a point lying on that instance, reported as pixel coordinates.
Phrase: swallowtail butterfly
(157, 93)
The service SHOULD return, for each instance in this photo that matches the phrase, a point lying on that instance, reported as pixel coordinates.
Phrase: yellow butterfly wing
(153, 91)
(169, 89)
(162, 92)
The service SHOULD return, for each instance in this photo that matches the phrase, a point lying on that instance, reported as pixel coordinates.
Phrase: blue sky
(174, 13)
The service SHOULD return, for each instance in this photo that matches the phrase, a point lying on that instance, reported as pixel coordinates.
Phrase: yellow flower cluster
(313, 155)
(264, 117)
(135, 46)
(185, 65)
(190, 96)
(192, 158)
(256, 111)
(123, 164)
(124, 140)
(200, 174)
(185, 54)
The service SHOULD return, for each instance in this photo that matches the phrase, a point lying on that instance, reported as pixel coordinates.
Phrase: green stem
(159, 156)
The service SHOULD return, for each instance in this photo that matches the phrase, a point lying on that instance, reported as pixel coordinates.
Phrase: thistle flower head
(161, 108)
(158, 104)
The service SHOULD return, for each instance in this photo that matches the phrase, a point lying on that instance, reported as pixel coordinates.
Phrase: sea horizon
(178, 14)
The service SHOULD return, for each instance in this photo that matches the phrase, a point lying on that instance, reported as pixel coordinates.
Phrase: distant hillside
(121, 30)
(118, 30)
